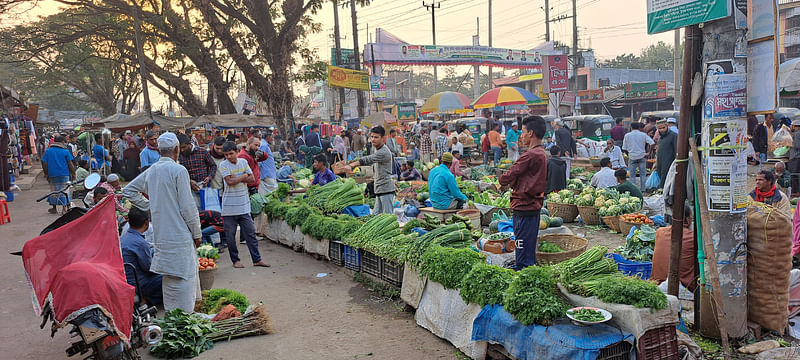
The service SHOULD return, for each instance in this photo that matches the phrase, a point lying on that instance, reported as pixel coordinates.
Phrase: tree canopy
(654, 57)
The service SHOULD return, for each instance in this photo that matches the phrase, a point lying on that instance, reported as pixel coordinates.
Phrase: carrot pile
(636, 219)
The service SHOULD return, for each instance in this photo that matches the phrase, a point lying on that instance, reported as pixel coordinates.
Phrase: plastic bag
(782, 137)
(654, 181)
(209, 199)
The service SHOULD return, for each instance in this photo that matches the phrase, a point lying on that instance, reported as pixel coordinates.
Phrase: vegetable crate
(371, 264)
(657, 344)
(336, 252)
(392, 273)
(642, 270)
(619, 351)
(352, 258)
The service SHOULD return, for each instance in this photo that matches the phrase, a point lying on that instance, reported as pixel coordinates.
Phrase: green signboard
(648, 90)
(348, 58)
(664, 15)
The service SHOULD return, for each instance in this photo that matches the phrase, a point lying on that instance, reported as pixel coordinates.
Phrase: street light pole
(432, 7)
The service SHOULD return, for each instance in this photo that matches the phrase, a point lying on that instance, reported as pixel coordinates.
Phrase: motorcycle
(64, 266)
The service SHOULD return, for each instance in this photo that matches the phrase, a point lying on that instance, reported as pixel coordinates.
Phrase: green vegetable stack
(562, 197)
(640, 246)
(333, 197)
(215, 299)
(184, 335)
(454, 236)
(574, 184)
(378, 228)
(547, 247)
(591, 265)
(532, 297)
(448, 266)
(485, 284)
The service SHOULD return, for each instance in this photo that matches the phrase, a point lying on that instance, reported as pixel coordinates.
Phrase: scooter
(97, 334)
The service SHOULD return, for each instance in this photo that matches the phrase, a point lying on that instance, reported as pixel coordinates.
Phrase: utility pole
(357, 57)
(476, 41)
(676, 98)
(338, 46)
(491, 83)
(546, 20)
(432, 8)
(140, 56)
(575, 52)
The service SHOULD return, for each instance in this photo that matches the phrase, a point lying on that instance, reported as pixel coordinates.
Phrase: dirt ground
(598, 235)
(330, 317)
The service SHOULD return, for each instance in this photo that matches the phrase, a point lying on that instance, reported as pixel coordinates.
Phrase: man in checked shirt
(199, 163)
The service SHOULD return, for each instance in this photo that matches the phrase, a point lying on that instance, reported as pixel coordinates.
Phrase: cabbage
(303, 183)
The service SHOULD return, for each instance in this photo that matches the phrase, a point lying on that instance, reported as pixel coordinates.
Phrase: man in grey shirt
(636, 144)
(381, 161)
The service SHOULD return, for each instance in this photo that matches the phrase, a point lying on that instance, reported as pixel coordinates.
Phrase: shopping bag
(654, 181)
(209, 199)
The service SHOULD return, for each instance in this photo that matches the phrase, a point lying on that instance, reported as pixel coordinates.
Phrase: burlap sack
(769, 261)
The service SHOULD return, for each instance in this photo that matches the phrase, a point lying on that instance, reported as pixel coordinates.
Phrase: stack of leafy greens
(532, 297)
(640, 246)
(448, 266)
(383, 226)
(453, 235)
(485, 284)
(335, 196)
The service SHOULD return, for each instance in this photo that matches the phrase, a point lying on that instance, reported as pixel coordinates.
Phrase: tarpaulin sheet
(562, 340)
(78, 267)
(357, 210)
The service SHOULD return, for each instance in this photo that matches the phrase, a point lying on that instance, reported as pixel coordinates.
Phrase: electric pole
(546, 20)
(140, 56)
(432, 8)
(676, 66)
(575, 53)
(476, 83)
(357, 57)
(338, 46)
(491, 83)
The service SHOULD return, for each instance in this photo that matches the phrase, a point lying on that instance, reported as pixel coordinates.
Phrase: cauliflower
(624, 200)
(610, 202)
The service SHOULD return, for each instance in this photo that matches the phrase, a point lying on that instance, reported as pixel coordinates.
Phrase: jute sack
(769, 261)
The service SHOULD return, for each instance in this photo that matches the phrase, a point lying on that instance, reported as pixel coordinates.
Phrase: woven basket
(625, 227)
(612, 222)
(589, 215)
(572, 245)
(568, 212)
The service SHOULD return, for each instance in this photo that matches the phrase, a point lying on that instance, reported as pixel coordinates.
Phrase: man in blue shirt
(149, 154)
(313, 138)
(442, 187)
(99, 153)
(512, 136)
(285, 174)
(57, 164)
(137, 252)
(269, 182)
(323, 175)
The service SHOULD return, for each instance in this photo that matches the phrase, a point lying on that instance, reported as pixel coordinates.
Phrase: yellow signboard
(347, 78)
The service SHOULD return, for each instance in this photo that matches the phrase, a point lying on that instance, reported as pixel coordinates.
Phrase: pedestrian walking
(496, 143)
(200, 165)
(426, 147)
(57, 164)
(252, 155)
(512, 138)
(149, 154)
(762, 136)
(618, 132)
(176, 224)
(637, 144)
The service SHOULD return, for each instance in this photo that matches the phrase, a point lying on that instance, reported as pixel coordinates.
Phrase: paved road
(315, 318)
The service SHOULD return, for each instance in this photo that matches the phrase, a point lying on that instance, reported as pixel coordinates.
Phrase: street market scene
(585, 179)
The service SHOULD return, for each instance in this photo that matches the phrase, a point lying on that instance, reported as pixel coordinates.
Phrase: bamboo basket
(612, 222)
(572, 245)
(568, 212)
(589, 215)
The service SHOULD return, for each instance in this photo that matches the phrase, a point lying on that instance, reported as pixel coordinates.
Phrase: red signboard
(555, 77)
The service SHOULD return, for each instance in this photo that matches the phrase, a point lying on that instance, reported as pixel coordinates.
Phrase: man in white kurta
(176, 224)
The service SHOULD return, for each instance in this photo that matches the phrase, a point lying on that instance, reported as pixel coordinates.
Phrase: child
(236, 205)
(323, 175)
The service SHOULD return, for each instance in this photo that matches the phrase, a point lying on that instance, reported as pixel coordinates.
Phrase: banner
(761, 19)
(348, 57)
(664, 15)
(725, 95)
(726, 169)
(346, 78)
(555, 76)
(377, 86)
(591, 95)
(407, 54)
(648, 90)
(762, 77)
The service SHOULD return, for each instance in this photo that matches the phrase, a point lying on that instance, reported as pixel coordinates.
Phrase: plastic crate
(657, 344)
(336, 252)
(392, 273)
(352, 258)
(619, 351)
(371, 264)
(642, 270)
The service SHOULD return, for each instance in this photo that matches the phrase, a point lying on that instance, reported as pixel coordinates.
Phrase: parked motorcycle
(77, 264)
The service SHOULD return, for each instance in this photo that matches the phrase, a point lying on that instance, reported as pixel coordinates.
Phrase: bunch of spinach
(448, 266)
(532, 297)
(485, 284)
(184, 335)
(215, 299)
(640, 246)
(631, 291)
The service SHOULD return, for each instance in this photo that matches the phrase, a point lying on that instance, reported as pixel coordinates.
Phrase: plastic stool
(5, 216)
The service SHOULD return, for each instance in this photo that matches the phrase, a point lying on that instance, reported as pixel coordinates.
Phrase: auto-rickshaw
(595, 127)
(659, 115)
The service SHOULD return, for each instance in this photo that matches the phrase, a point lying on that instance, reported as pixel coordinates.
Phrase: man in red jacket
(528, 179)
(252, 155)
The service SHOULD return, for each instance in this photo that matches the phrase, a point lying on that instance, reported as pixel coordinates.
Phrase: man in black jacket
(667, 149)
(762, 136)
(556, 171)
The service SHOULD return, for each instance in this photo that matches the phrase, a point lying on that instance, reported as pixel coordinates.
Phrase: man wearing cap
(666, 151)
(59, 169)
(200, 165)
(512, 137)
(442, 187)
(794, 156)
(176, 224)
(672, 123)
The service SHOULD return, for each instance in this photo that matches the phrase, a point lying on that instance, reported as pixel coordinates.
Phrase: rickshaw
(659, 115)
(595, 127)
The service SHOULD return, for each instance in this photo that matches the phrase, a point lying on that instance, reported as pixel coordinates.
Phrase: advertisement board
(408, 54)
(664, 15)
(555, 77)
(346, 78)
(591, 95)
(647, 90)
(762, 77)
(725, 95)
(377, 86)
(348, 58)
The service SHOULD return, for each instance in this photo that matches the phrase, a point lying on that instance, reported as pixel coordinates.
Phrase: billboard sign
(648, 90)
(348, 58)
(664, 15)
(377, 86)
(407, 54)
(346, 78)
(555, 77)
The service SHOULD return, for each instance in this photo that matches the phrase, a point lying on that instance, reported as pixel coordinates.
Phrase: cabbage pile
(574, 184)
(561, 197)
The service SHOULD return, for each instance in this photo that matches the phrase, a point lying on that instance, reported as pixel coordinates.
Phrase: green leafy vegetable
(531, 297)
(485, 284)
(640, 246)
(215, 299)
(547, 247)
(448, 266)
(587, 315)
(184, 335)
(631, 291)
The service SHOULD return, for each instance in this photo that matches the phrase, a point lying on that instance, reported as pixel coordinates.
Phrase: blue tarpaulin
(562, 340)
(357, 210)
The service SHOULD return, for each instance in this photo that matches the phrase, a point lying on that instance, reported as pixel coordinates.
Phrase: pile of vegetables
(275, 209)
(449, 266)
(481, 171)
(588, 266)
(547, 221)
(208, 251)
(636, 219)
(532, 297)
(430, 222)
(547, 247)
(453, 235)
(206, 263)
(485, 284)
(625, 204)
(562, 197)
(383, 226)
(505, 164)
(640, 246)
(620, 289)
(458, 218)
(586, 314)
(491, 198)
(574, 184)
(334, 196)
(215, 299)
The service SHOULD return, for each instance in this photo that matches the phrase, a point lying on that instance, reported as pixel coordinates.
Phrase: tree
(654, 57)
